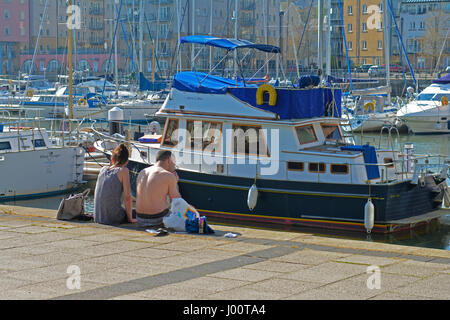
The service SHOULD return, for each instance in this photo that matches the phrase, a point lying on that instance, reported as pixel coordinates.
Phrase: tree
(435, 33)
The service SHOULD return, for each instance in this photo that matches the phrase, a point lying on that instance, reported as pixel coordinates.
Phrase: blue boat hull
(329, 205)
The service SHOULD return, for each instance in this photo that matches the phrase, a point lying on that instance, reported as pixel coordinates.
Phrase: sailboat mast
(328, 39)
(141, 36)
(236, 17)
(69, 54)
(320, 37)
(386, 30)
(116, 67)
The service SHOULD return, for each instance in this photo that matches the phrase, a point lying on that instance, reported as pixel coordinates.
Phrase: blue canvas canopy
(229, 44)
(443, 80)
(370, 157)
(204, 83)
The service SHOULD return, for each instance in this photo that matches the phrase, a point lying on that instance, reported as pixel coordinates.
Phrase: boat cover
(370, 156)
(203, 83)
(296, 103)
(228, 44)
(444, 80)
(147, 85)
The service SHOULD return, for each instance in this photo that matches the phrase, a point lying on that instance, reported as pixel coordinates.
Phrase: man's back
(153, 185)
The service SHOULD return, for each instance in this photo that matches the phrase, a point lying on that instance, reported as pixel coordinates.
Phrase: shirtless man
(153, 185)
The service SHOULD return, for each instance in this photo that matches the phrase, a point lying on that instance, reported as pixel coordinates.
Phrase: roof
(228, 44)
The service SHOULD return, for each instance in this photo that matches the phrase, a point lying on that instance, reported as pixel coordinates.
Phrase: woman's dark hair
(120, 155)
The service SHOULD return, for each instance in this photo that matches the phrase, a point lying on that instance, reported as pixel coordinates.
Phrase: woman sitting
(112, 182)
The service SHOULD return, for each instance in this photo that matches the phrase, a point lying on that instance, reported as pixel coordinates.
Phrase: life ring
(29, 93)
(272, 94)
(444, 100)
(82, 101)
(369, 105)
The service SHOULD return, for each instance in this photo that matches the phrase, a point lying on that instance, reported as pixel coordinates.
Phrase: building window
(350, 45)
(339, 169)
(364, 45)
(306, 134)
(364, 27)
(350, 27)
(7, 31)
(349, 10)
(380, 44)
(364, 9)
(171, 135)
(317, 167)
(7, 14)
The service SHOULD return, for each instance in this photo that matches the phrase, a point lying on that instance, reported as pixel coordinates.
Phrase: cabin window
(306, 134)
(319, 167)
(390, 161)
(295, 166)
(339, 169)
(39, 143)
(331, 131)
(5, 145)
(249, 140)
(209, 138)
(171, 136)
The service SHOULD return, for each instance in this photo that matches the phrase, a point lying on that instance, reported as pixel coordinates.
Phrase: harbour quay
(45, 258)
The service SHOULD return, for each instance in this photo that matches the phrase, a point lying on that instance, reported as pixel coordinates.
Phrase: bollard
(115, 117)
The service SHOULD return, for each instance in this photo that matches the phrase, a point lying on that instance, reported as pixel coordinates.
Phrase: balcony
(248, 6)
(247, 22)
(96, 26)
(96, 40)
(162, 2)
(96, 11)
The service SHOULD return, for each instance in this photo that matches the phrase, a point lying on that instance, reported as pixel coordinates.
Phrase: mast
(265, 33)
(179, 67)
(141, 36)
(116, 73)
(236, 17)
(319, 37)
(386, 24)
(69, 53)
(328, 39)
(193, 33)
(210, 33)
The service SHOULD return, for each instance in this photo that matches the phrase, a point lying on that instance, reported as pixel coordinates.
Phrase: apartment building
(425, 27)
(14, 33)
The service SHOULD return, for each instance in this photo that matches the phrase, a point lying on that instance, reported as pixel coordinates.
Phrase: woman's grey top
(107, 198)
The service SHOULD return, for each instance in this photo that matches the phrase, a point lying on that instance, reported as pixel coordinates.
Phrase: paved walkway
(37, 251)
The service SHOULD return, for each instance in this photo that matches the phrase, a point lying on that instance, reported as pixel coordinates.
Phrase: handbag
(72, 207)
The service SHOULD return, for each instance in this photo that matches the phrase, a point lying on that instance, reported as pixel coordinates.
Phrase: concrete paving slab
(310, 257)
(239, 247)
(276, 266)
(414, 268)
(245, 274)
(436, 287)
(369, 260)
(328, 272)
(282, 286)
